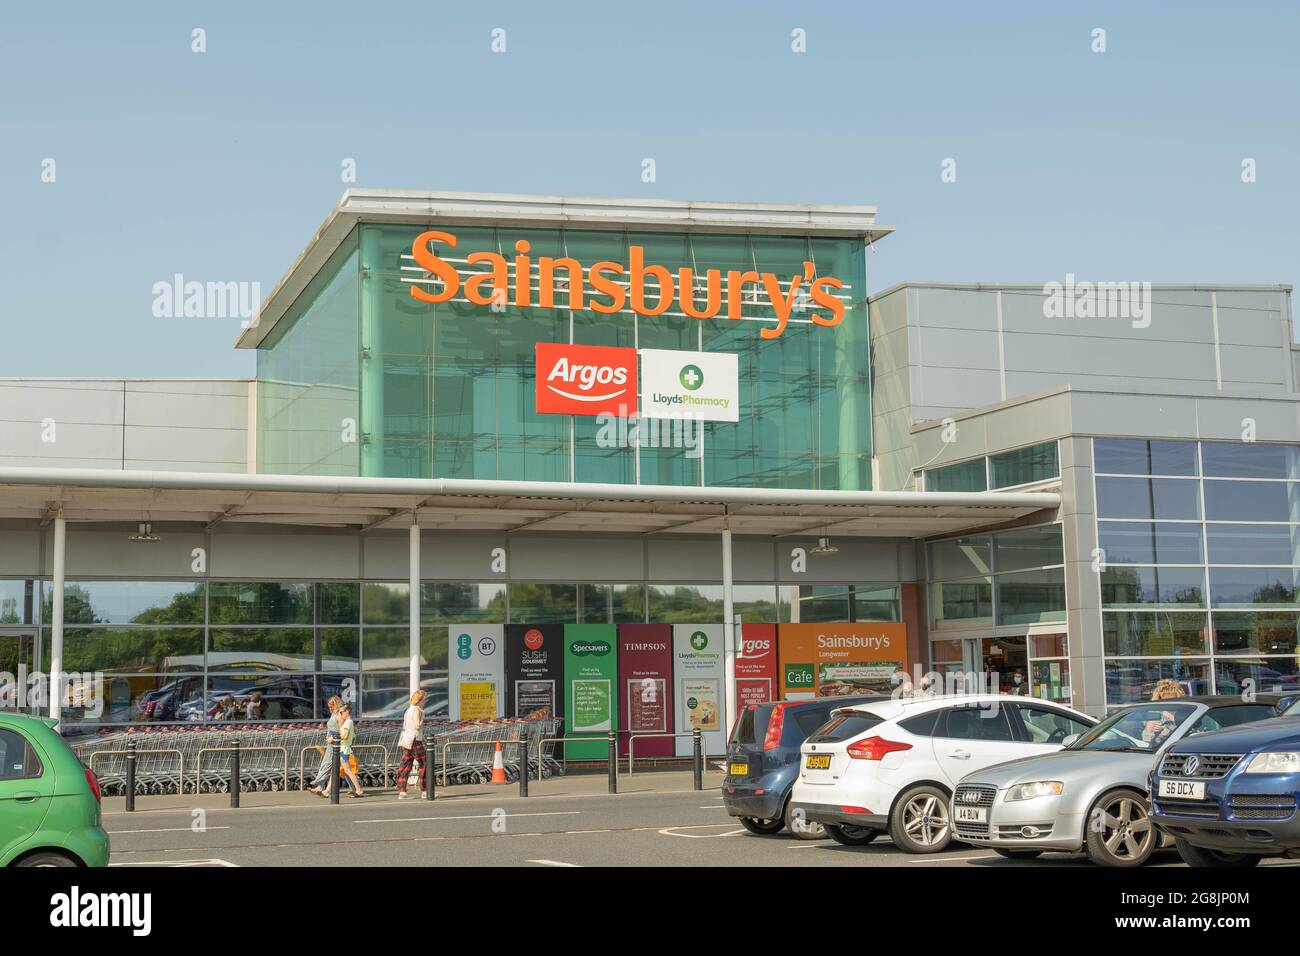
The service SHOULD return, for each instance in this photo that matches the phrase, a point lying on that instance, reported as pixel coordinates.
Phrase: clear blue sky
(1122, 165)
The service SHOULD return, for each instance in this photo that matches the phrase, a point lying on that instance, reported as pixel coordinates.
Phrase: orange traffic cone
(498, 767)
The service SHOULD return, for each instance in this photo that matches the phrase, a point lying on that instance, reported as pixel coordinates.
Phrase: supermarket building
(534, 452)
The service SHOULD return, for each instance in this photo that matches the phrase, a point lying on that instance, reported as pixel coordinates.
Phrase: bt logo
(487, 646)
(691, 377)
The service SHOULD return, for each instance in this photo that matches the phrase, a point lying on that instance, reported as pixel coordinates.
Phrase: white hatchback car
(891, 766)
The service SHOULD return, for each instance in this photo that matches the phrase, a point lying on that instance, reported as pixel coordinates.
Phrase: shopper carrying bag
(411, 743)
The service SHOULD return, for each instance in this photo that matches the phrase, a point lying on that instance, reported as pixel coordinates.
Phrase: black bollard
(613, 762)
(697, 759)
(334, 771)
(130, 776)
(429, 783)
(234, 773)
(523, 762)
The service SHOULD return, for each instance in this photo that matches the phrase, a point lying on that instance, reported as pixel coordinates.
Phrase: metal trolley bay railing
(273, 757)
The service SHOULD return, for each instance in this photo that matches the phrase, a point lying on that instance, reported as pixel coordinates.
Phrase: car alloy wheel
(847, 835)
(762, 827)
(920, 821)
(1120, 831)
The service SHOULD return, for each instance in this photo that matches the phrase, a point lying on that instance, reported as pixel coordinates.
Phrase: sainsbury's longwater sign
(699, 385)
(603, 380)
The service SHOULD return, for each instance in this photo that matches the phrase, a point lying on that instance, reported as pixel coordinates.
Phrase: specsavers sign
(697, 385)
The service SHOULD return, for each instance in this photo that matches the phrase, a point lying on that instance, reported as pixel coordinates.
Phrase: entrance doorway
(996, 661)
(17, 664)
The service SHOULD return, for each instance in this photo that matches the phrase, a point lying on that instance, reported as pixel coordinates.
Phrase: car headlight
(1039, 788)
(1279, 761)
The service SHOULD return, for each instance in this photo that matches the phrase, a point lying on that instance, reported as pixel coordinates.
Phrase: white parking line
(179, 863)
(554, 863)
(670, 831)
(165, 830)
(478, 816)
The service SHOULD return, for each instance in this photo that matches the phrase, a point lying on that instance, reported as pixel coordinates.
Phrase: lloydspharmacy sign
(699, 385)
(488, 278)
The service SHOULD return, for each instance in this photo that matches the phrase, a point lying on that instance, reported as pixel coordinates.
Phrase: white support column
(56, 629)
(415, 603)
(729, 634)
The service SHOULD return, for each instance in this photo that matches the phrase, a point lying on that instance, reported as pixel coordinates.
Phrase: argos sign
(585, 379)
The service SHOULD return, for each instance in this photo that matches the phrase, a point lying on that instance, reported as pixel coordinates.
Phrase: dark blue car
(1229, 797)
(763, 762)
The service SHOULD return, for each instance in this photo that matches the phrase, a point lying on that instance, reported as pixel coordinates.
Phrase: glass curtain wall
(193, 652)
(1200, 580)
(447, 390)
(1007, 579)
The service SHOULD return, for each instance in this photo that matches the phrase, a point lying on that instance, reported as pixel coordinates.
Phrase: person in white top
(411, 743)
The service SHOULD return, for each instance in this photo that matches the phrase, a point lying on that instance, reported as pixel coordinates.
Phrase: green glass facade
(359, 378)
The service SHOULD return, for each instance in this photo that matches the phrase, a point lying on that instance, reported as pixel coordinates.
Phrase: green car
(49, 802)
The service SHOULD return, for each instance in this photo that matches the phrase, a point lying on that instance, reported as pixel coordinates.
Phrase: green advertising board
(591, 678)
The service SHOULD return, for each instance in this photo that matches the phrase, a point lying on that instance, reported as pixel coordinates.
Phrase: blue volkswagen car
(1229, 797)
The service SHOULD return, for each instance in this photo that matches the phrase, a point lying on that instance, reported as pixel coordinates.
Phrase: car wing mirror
(1070, 740)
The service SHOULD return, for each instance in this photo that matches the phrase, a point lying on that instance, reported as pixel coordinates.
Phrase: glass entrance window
(17, 657)
(1049, 666)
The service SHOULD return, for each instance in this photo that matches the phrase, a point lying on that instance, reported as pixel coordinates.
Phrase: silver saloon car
(1091, 796)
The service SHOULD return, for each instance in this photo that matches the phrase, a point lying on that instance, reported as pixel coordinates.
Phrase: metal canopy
(89, 495)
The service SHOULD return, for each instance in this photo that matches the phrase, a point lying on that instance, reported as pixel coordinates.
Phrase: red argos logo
(585, 380)
(533, 639)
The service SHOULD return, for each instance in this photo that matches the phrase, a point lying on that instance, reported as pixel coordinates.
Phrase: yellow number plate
(740, 770)
(818, 762)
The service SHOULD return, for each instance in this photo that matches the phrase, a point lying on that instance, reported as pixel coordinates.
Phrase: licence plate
(971, 814)
(818, 762)
(1182, 789)
(739, 770)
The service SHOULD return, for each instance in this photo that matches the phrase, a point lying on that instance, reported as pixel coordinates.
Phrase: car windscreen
(843, 726)
(1142, 729)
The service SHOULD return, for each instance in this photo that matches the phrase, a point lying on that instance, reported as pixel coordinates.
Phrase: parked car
(763, 762)
(891, 766)
(49, 802)
(1229, 798)
(1091, 796)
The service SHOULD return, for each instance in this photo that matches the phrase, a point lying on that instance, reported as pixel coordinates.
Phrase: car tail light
(94, 785)
(854, 810)
(772, 739)
(875, 748)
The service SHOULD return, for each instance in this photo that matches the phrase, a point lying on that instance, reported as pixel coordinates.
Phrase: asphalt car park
(657, 820)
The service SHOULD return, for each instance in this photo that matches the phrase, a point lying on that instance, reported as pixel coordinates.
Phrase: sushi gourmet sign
(609, 287)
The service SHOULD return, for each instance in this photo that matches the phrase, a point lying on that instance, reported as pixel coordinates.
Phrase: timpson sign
(609, 287)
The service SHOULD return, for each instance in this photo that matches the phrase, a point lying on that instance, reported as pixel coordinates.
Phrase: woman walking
(411, 743)
(322, 776)
(347, 737)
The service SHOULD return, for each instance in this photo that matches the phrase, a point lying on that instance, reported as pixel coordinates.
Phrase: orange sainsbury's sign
(608, 287)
